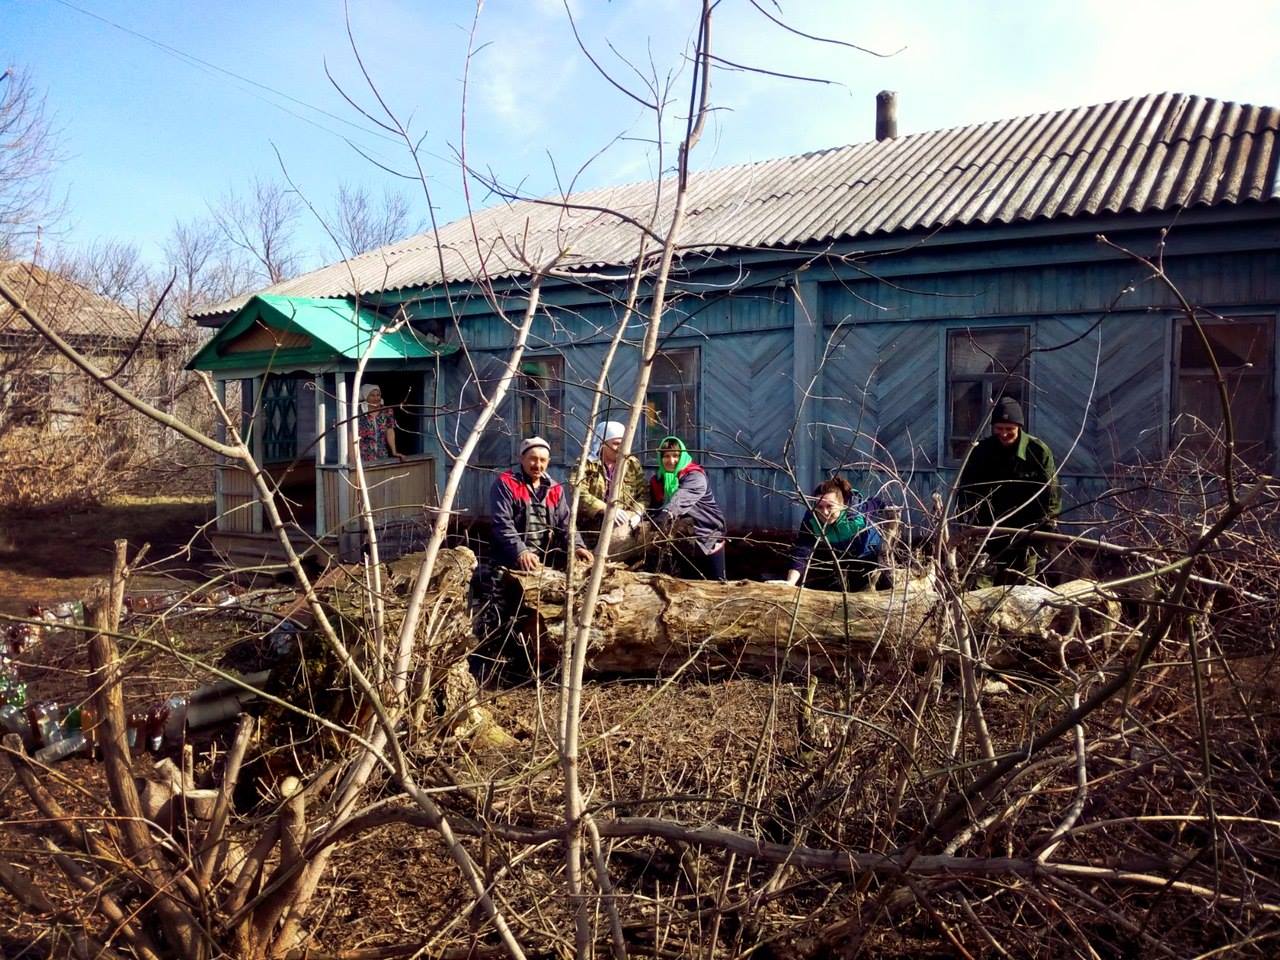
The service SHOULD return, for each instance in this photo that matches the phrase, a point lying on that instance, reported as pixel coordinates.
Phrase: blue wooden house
(854, 309)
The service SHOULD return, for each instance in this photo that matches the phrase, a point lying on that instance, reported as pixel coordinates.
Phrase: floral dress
(373, 434)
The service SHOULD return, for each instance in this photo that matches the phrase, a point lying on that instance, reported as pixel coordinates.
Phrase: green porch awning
(274, 332)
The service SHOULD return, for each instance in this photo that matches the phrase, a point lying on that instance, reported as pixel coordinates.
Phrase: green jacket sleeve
(1050, 498)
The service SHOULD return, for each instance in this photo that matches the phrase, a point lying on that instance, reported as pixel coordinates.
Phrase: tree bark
(648, 622)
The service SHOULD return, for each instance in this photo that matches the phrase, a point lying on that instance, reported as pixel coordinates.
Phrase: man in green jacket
(1010, 481)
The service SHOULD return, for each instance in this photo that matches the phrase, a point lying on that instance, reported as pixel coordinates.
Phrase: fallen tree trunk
(648, 622)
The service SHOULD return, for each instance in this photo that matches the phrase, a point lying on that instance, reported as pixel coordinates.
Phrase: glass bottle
(62, 748)
(136, 730)
(156, 718)
(175, 723)
(12, 691)
(45, 718)
(13, 719)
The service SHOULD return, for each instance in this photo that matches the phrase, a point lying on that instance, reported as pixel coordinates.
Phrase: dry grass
(735, 753)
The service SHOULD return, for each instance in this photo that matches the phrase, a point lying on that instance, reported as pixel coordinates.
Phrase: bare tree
(29, 151)
(362, 222)
(204, 266)
(110, 268)
(260, 226)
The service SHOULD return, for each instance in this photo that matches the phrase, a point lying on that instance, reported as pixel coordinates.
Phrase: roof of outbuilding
(1146, 154)
(72, 309)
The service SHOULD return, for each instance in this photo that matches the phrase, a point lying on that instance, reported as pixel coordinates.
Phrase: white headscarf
(365, 390)
(603, 433)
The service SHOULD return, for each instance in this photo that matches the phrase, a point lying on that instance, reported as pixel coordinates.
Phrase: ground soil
(52, 556)
(688, 751)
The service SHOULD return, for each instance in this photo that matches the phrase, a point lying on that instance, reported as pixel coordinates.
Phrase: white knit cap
(529, 444)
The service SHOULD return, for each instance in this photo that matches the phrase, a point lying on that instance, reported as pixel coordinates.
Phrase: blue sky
(151, 136)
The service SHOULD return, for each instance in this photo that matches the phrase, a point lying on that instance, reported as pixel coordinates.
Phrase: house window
(983, 366)
(280, 418)
(1244, 349)
(540, 398)
(30, 396)
(671, 403)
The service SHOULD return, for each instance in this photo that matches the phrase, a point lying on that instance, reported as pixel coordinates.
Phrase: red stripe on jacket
(659, 493)
(520, 490)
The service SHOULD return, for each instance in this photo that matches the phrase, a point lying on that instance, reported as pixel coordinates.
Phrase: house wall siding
(1215, 280)
(1100, 370)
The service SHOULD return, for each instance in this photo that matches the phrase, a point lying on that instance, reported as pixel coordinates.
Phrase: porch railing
(238, 510)
(397, 491)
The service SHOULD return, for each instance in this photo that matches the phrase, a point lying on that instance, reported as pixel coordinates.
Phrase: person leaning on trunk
(1010, 480)
(603, 461)
(530, 514)
(684, 510)
(836, 547)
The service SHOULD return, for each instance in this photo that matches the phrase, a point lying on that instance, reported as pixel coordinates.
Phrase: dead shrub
(45, 469)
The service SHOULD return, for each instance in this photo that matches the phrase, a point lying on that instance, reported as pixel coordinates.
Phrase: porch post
(219, 462)
(258, 438)
(321, 450)
(427, 426)
(344, 452)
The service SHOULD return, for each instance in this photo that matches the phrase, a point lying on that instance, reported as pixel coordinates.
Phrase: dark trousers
(692, 564)
(710, 565)
(852, 576)
(686, 559)
(1012, 561)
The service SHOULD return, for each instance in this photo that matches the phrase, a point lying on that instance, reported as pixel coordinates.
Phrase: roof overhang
(286, 333)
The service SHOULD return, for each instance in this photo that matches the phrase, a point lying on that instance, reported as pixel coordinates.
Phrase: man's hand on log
(583, 554)
(629, 519)
(528, 561)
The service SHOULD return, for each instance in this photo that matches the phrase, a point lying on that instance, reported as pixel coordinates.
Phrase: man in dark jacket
(530, 514)
(1010, 480)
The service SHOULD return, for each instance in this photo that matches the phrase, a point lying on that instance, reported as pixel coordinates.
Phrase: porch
(285, 368)
(322, 512)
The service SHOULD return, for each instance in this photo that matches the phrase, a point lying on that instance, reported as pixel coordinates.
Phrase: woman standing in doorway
(377, 426)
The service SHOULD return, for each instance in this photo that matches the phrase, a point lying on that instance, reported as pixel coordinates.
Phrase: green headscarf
(848, 525)
(671, 478)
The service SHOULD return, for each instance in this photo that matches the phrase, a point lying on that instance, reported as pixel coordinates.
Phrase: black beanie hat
(1008, 410)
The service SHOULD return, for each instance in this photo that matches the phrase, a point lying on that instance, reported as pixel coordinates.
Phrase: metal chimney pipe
(886, 114)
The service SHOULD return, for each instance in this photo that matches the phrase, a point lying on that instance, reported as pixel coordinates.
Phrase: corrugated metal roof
(1146, 154)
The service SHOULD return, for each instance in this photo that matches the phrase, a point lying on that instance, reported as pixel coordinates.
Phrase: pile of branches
(1111, 793)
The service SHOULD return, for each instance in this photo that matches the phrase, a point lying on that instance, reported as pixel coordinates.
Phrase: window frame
(552, 399)
(280, 446)
(1182, 327)
(990, 381)
(28, 394)
(693, 439)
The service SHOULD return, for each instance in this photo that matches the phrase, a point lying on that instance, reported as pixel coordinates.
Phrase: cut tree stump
(652, 623)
